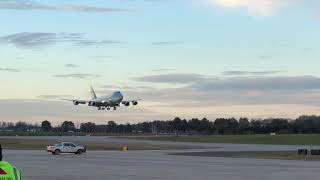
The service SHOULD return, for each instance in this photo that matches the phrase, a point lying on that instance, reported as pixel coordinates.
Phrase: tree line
(220, 126)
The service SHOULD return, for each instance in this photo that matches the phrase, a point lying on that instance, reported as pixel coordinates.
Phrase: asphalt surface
(143, 165)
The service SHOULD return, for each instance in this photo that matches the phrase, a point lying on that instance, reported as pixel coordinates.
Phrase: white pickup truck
(66, 147)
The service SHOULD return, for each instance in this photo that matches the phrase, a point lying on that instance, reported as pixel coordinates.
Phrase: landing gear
(106, 108)
(101, 108)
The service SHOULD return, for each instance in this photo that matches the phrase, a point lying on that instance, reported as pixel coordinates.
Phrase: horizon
(184, 58)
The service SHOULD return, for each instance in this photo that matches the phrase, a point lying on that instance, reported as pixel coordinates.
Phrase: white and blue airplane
(105, 102)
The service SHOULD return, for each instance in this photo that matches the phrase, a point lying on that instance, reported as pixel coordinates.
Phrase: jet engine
(76, 103)
(135, 103)
(127, 104)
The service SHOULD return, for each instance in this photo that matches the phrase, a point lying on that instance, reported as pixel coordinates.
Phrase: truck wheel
(79, 152)
(56, 152)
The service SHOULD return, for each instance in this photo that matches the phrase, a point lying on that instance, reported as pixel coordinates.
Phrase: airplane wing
(76, 101)
(132, 100)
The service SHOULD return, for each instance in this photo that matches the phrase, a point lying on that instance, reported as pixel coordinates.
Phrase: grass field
(41, 144)
(3, 133)
(288, 139)
(283, 155)
(39, 134)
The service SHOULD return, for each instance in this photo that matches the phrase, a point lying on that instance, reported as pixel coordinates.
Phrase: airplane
(105, 102)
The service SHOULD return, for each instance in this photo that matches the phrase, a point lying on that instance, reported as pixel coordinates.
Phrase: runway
(143, 165)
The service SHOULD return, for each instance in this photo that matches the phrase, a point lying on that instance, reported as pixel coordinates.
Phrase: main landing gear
(106, 108)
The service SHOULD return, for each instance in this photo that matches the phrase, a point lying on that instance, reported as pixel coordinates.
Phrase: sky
(186, 58)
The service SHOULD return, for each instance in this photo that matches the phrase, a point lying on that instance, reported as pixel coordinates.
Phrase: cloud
(125, 88)
(254, 7)
(9, 70)
(31, 40)
(172, 78)
(27, 40)
(163, 43)
(33, 5)
(78, 76)
(242, 90)
(246, 73)
(274, 83)
(71, 65)
(163, 69)
(97, 42)
(238, 82)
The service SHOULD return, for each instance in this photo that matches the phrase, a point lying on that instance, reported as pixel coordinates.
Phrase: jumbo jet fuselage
(107, 101)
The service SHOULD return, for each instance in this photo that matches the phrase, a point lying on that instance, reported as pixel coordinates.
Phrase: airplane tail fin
(93, 93)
